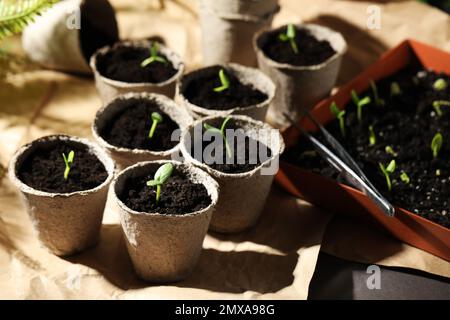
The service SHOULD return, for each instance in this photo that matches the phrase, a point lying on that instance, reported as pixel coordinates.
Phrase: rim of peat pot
(23, 152)
(103, 81)
(259, 80)
(175, 112)
(335, 39)
(220, 174)
(164, 248)
(405, 226)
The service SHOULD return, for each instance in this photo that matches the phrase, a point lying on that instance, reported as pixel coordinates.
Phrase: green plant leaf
(436, 144)
(390, 151)
(224, 124)
(225, 83)
(334, 109)
(163, 173)
(391, 166)
(157, 117)
(15, 16)
(440, 84)
(290, 31)
(153, 183)
(372, 136)
(395, 89)
(404, 177)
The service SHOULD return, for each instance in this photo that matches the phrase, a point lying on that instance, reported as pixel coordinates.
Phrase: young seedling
(438, 104)
(339, 115)
(156, 118)
(68, 160)
(359, 104)
(378, 101)
(438, 172)
(221, 131)
(390, 150)
(436, 144)
(154, 57)
(440, 84)
(161, 176)
(404, 177)
(372, 137)
(225, 83)
(290, 36)
(395, 89)
(387, 171)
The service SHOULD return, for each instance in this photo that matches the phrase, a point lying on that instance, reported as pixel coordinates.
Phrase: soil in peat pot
(179, 195)
(200, 91)
(123, 63)
(406, 122)
(311, 51)
(244, 156)
(130, 127)
(44, 169)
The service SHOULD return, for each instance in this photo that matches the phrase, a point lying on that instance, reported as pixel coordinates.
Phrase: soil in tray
(200, 91)
(406, 123)
(44, 169)
(244, 156)
(179, 195)
(124, 64)
(130, 127)
(311, 51)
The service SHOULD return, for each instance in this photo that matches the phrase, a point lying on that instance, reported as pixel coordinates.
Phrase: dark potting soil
(98, 27)
(124, 64)
(179, 195)
(130, 127)
(311, 51)
(407, 123)
(200, 91)
(44, 169)
(244, 157)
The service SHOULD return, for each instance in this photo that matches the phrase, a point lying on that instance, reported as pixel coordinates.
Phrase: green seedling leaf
(156, 118)
(387, 171)
(68, 161)
(290, 36)
(378, 101)
(395, 89)
(339, 114)
(438, 172)
(372, 137)
(440, 84)
(390, 150)
(221, 131)
(154, 57)
(436, 144)
(359, 103)
(161, 176)
(404, 177)
(438, 104)
(224, 81)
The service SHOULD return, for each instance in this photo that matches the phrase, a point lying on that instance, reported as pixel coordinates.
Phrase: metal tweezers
(345, 164)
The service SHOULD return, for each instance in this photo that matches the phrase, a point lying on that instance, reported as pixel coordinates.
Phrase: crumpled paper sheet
(276, 259)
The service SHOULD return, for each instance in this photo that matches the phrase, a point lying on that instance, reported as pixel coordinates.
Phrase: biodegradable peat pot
(331, 195)
(299, 87)
(65, 37)
(195, 92)
(228, 27)
(109, 64)
(164, 247)
(140, 106)
(66, 222)
(244, 192)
